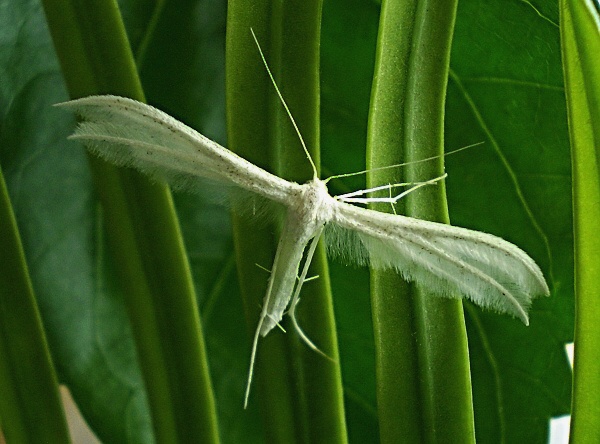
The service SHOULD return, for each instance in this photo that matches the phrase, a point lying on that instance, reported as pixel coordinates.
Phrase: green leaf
(506, 90)
(30, 405)
(580, 38)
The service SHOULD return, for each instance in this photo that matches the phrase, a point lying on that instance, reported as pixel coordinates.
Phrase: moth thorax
(316, 201)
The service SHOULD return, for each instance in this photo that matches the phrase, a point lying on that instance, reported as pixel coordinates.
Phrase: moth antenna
(357, 173)
(283, 102)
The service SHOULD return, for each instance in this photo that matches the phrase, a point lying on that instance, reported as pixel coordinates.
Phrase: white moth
(448, 261)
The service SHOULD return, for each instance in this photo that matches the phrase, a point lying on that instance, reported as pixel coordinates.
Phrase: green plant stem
(247, 87)
(30, 404)
(423, 379)
(300, 391)
(296, 41)
(580, 39)
(143, 233)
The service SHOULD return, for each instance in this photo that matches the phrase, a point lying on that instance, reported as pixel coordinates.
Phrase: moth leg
(417, 186)
(252, 360)
(263, 315)
(308, 279)
(279, 326)
(311, 278)
(349, 198)
(392, 204)
(296, 297)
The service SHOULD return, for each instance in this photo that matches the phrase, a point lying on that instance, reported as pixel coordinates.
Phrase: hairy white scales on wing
(449, 261)
(130, 133)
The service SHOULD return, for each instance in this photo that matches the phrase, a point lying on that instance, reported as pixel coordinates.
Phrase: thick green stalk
(301, 392)
(580, 39)
(143, 233)
(420, 337)
(296, 41)
(248, 134)
(30, 404)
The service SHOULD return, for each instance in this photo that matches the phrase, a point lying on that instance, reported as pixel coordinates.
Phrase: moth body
(306, 215)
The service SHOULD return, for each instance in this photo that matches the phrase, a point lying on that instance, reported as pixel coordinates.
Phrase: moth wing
(448, 261)
(132, 134)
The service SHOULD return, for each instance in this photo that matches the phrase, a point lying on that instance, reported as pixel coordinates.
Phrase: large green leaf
(505, 89)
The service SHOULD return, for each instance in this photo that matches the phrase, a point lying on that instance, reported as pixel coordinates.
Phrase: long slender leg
(394, 199)
(296, 298)
(372, 190)
(263, 315)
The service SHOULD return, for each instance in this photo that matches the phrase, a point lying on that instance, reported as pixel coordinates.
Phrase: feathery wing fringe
(449, 261)
(130, 133)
